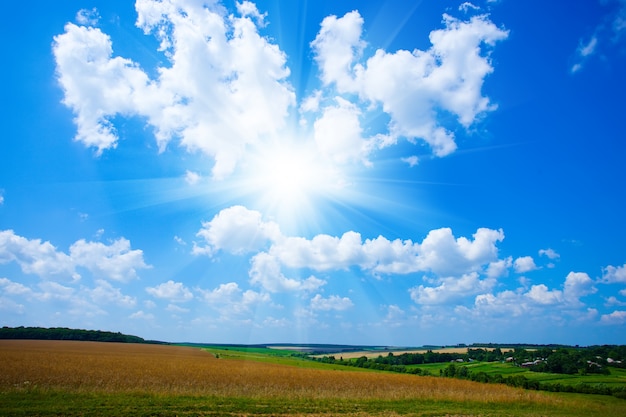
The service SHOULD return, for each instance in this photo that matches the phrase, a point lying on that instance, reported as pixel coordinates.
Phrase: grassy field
(46, 378)
(616, 378)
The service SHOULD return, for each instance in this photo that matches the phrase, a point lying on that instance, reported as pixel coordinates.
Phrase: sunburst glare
(289, 178)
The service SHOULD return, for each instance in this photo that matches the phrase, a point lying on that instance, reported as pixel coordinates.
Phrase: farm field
(616, 378)
(45, 378)
(375, 353)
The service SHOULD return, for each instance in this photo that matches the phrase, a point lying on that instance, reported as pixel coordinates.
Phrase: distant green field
(274, 356)
(616, 378)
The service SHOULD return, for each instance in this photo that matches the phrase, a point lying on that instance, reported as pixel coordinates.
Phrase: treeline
(63, 333)
(520, 381)
(395, 363)
(593, 359)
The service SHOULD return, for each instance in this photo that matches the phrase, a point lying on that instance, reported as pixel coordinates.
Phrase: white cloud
(395, 316)
(322, 252)
(116, 261)
(212, 95)
(236, 230)
(337, 46)
(247, 8)
(615, 318)
(613, 274)
(467, 6)
(338, 133)
(96, 85)
(577, 285)
(524, 264)
(141, 315)
(55, 291)
(334, 302)
(411, 160)
(499, 268)
(542, 295)
(444, 254)
(13, 288)
(173, 308)
(505, 303)
(35, 256)
(312, 102)
(172, 291)
(613, 301)
(239, 230)
(88, 17)
(1, 197)
(540, 300)
(192, 178)
(609, 31)
(266, 272)
(451, 289)
(589, 48)
(550, 253)
(584, 51)
(220, 73)
(11, 306)
(412, 86)
(105, 293)
(229, 300)
(79, 302)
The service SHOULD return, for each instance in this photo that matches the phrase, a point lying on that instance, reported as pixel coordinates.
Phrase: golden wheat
(113, 367)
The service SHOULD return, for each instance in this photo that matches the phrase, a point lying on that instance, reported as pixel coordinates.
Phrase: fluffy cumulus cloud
(231, 301)
(266, 271)
(412, 86)
(220, 72)
(617, 317)
(614, 274)
(539, 300)
(212, 95)
(80, 301)
(240, 230)
(524, 264)
(451, 289)
(236, 230)
(172, 291)
(334, 302)
(35, 256)
(105, 293)
(116, 261)
(550, 253)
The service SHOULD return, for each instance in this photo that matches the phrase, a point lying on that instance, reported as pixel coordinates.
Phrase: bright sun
(290, 179)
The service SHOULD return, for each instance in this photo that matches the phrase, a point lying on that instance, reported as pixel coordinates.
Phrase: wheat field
(117, 367)
(152, 378)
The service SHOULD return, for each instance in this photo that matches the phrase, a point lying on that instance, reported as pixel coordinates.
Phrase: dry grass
(90, 367)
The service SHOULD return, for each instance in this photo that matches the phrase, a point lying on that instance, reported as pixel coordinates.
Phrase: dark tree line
(63, 333)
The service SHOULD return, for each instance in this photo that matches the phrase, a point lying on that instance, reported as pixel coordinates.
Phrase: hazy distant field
(87, 378)
(376, 353)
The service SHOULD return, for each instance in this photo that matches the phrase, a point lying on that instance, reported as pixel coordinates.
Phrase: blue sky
(389, 173)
